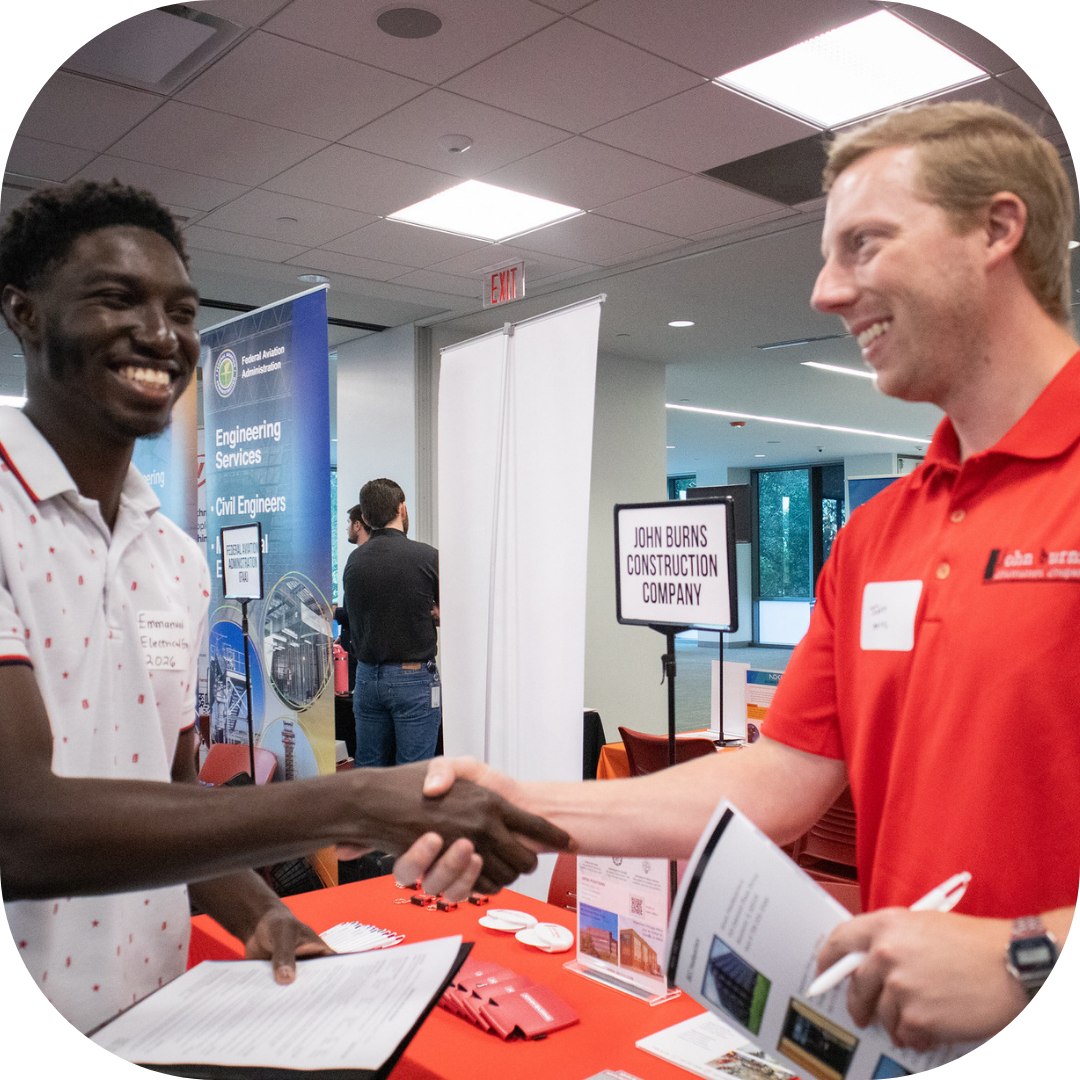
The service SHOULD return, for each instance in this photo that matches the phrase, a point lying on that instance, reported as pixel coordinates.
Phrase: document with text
(346, 1015)
(746, 929)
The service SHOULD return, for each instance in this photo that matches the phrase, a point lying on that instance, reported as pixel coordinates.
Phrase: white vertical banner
(515, 454)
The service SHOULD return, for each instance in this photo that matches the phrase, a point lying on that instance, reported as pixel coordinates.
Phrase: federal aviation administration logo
(225, 372)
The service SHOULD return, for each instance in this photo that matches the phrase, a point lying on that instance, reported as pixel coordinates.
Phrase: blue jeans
(396, 721)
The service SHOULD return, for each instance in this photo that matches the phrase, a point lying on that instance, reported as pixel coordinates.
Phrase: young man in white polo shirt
(95, 842)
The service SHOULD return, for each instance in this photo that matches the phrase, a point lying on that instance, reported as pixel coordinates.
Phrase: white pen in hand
(944, 898)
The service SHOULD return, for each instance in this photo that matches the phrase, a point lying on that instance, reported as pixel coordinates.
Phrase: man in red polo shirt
(945, 246)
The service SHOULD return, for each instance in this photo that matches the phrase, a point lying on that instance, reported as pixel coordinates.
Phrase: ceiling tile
(411, 133)
(85, 112)
(537, 266)
(1023, 84)
(688, 206)
(241, 12)
(433, 281)
(592, 239)
(713, 39)
(335, 262)
(703, 127)
(249, 281)
(308, 90)
(397, 241)
(994, 92)
(573, 77)
(583, 173)
(246, 247)
(169, 185)
(361, 181)
(260, 213)
(470, 32)
(958, 37)
(214, 144)
(45, 160)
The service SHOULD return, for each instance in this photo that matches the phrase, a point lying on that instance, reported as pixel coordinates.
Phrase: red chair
(827, 853)
(562, 892)
(226, 760)
(649, 753)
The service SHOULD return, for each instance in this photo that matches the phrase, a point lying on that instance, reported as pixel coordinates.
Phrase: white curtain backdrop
(515, 455)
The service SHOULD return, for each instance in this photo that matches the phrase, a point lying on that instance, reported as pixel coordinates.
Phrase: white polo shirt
(111, 624)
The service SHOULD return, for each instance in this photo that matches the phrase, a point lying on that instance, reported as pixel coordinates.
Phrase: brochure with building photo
(746, 929)
(622, 920)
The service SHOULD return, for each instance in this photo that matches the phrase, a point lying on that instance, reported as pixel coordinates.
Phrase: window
(678, 486)
(798, 512)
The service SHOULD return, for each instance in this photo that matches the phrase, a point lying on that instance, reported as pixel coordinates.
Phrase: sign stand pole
(247, 685)
(667, 663)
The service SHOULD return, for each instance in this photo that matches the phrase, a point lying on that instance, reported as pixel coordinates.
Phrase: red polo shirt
(953, 693)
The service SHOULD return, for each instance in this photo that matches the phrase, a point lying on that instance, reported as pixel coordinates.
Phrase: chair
(562, 892)
(227, 760)
(827, 852)
(649, 753)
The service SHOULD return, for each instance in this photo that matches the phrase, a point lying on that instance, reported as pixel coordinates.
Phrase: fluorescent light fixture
(860, 68)
(681, 322)
(484, 211)
(919, 440)
(669, 447)
(13, 400)
(840, 370)
(314, 279)
(1074, 244)
(799, 341)
(759, 455)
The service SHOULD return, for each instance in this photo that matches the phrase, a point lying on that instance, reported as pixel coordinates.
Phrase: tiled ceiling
(284, 154)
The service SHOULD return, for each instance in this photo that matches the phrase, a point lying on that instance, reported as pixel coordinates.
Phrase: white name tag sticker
(888, 615)
(164, 640)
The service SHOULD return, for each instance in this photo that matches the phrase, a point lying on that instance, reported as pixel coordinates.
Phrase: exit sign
(504, 284)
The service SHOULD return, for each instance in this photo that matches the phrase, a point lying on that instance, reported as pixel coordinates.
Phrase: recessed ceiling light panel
(857, 69)
(680, 322)
(484, 211)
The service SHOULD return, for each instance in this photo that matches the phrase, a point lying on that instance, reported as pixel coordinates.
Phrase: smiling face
(109, 335)
(909, 288)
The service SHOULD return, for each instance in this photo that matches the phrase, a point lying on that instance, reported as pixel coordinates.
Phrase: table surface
(449, 1048)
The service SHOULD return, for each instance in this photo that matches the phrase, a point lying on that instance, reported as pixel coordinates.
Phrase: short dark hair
(356, 517)
(380, 501)
(39, 234)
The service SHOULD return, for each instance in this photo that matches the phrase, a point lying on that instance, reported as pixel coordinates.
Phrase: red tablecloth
(447, 1048)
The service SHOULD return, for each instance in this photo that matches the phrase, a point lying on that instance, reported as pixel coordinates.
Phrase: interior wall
(376, 421)
(622, 663)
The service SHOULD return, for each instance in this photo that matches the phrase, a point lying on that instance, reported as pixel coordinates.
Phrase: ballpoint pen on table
(944, 898)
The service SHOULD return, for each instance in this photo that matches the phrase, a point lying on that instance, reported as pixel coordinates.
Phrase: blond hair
(967, 152)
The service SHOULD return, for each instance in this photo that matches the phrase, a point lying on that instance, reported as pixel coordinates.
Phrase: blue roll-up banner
(168, 463)
(266, 414)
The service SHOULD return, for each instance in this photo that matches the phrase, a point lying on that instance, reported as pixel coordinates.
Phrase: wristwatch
(1032, 953)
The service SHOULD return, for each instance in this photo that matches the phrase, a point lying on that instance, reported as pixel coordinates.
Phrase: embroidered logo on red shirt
(1015, 564)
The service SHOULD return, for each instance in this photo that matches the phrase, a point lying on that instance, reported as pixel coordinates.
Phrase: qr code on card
(637, 905)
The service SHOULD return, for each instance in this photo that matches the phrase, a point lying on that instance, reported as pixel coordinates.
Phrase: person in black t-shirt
(391, 587)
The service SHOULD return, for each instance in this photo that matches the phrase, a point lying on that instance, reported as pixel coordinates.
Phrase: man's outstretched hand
(454, 870)
(473, 823)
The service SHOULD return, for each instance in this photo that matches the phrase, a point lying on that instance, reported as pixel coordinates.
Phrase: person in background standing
(391, 597)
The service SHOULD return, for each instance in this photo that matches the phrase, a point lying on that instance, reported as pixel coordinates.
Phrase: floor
(693, 676)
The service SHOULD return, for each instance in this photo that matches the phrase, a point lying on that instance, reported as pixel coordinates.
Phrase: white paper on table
(705, 1045)
(746, 928)
(348, 1012)
(734, 699)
